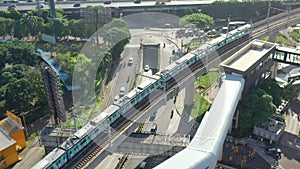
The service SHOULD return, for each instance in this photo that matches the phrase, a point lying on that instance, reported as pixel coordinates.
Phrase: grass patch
(267, 38)
(295, 34)
(282, 40)
(207, 80)
(201, 105)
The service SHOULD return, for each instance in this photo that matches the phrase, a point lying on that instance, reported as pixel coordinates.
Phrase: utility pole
(228, 21)
(250, 33)
(268, 14)
(53, 15)
(96, 23)
(289, 12)
(163, 74)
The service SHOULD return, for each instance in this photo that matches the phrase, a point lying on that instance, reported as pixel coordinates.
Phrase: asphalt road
(69, 5)
(290, 150)
(125, 73)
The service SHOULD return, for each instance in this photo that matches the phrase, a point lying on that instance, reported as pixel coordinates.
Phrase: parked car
(122, 91)
(116, 98)
(146, 68)
(130, 61)
(273, 151)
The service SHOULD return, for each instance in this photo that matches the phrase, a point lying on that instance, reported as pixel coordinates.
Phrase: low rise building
(271, 130)
(12, 140)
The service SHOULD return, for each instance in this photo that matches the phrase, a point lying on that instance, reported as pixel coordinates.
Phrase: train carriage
(54, 160)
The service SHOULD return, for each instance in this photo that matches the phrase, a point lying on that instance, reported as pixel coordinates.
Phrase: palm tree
(29, 20)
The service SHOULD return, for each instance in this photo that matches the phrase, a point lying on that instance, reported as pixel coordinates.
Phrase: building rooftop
(9, 126)
(6, 141)
(57, 132)
(288, 49)
(248, 56)
(62, 75)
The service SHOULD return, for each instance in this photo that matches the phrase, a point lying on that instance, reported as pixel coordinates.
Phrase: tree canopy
(21, 84)
(255, 109)
(198, 20)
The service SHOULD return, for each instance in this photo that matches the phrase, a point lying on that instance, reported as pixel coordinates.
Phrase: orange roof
(9, 126)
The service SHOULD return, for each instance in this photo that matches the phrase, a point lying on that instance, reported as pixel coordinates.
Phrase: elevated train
(112, 116)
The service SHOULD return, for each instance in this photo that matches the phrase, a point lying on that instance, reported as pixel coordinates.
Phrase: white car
(146, 68)
(116, 98)
(130, 61)
(122, 91)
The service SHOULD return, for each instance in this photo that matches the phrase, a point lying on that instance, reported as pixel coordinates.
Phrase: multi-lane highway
(69, 5)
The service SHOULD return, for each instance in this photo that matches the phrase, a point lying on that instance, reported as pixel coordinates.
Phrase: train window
(84, 141)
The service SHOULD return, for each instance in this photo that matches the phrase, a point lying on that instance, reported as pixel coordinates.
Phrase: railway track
(259, 31)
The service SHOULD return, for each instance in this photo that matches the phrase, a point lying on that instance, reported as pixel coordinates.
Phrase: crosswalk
(258, 147)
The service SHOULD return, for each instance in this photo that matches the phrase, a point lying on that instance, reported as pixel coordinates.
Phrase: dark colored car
(76, 5)
(107, 1)
(273, 151)
(137, 1)
(11, 7)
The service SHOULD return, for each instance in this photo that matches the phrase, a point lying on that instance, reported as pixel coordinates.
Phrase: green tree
(20, 31)
(18, 52)
(255, 109)
(61, 27)
(29, 21)
(273, 89)
(21, 88)
(75, 27)
(198, 20)
(117, 34)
